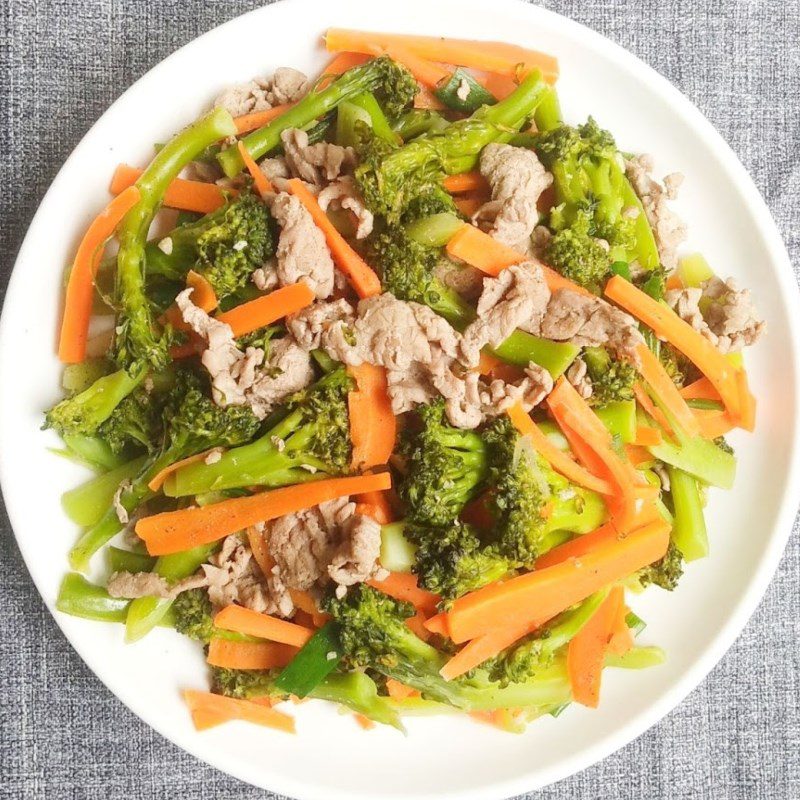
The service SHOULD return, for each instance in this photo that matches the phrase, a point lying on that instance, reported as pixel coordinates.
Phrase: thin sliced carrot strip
(208, 710)
(252, 623)
(230, 654)
(269, 308)
(250, 122)
(403, 586)
(466, 182)
(157, 481)
(181, 194)
(260, 180)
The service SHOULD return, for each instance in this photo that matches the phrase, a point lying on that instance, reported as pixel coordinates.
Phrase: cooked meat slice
(590, 322)
(462, 278)
(343, 193)
(356, 557)
(287, 370)
(285, 86)
(265, 278)
(409, 388)
(517, 178)
(116, 502)
(310, 325)
(303, 254)
(578, 376)
(131, 585)
(518, 296)
(499, 396)
(728, 320)
(276, 171)
(668, 228)
(316, 164)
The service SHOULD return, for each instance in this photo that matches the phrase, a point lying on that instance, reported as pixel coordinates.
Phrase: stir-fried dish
(398, 388)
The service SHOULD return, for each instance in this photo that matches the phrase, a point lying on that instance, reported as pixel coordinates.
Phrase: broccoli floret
(654, 282)
(311, 441)
(592, 193)
(445, 467)
(224, 246)
(84, 413)
(389, 180)
(374, 635)
(579, 256)
(666, 572)
(194, 615)
(450, 559)
(612, 379)
(137, 422)
(393, 86)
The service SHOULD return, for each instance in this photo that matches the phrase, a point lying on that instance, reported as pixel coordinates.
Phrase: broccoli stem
(583, 514)
(434, 231)
(92, 451)
(80, 598)
(689, 526)
(357, 691)
(377, 119)
(316, 104)
(86, 504)
(548, 687)
(142, 345)
(548, 113)
(521, 348)
(694, 270)
(619, 417)
(637, 658)
(348, 114)
(419, 121)
(128, 561)
(145, 613)
(398, 554)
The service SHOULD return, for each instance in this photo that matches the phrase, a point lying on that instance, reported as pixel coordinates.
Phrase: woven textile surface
(62, 734)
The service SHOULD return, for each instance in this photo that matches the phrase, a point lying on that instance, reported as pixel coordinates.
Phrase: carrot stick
(341, 63)
(747, 418)
(185, 195)
(249, 655)
(546, 592)
(587, 649)
(363, 278)
(428, 73)
(157, 481)
(265, 310)
(438, 624)
(713, 422)
(306, 603)
(649, 407)
(208, 710)
(249, 122)
(510, 60)
(377, 506)
(466, 182)
(427, 99)
(501, 86)
(365, 723)
(668, 325)
(637, 455)
(469, 205)
(417, 626)
(80, 286)
(203, 297)
(373, 425)
(701, 389)
(479, 250)
(674, 281)
(580, 545)
(621, 637)
(558, 460)
(399, 691)
(251, 623)
(403, 586)
(260, 180)
(653, 372)
(174, 531)
(647, 437)
(260, 550)
(484, 647)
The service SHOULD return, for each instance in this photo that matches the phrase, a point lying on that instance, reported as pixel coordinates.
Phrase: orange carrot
(649, 407)
(417, 626)
(701, 389)
(653, 372)
(668, 325)
(377, 506)
(747, 419)
(484, 647)
(182, 194)
(647, 437)
(587, 649)
(501, 86)
(713, 422)
(203, 296)
(403, 586)
(260, 549)
(637, 455)
(80, 286)
(265, 310)
(399, 691)
(560, 461)
(621, 637)
(260, 180)
(208, 710)
(250, 122)
(510, 60)
(469, 205)
(428, 73)
(438, 624)
(674, 281)
(546, 592)
(341, 63)
(479, 250)
(251, 623)
(427, 99)
(248, 655)
(466, 182)
(580, 545)
(173, 531)
(305, 602)
(157, 481)
(488, 363)
(373, 425)
(363, 278)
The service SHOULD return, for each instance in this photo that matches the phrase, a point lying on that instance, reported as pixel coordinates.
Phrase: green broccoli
(137, 422)
(193, 423)
(579, 256)
(390, 178)
(451, 560)
(393, 86)
(194, 615)
(591, 187)
(353, 690)
(137, 341)
(224, 246)
(674, 362)
(612, 379)
(445, 467)
(312, 441)
(666, 572)
(374, 635)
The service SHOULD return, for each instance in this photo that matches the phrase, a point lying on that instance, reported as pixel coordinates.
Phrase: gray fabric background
(62, 735)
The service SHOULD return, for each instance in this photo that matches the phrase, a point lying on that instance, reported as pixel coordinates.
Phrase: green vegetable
(194, 615)
(224, 246)
(128, 561)
(136, 424)
(377, 119)
(77, 378)
(548, 113)
(666, 572)
(393, 86)
(80, 598)
(347, 115)
(137, 343)
(637, 658)
(694, 270)
(91, 451)
(578, 255)
(434, 231)
(86, 504)
(397, 552)
(689, 526)
(620, 419)
(318, 657)
(417, 122)
(476, 96)
(388, 179)
(521, 348)
(311, 442)
(612, 379)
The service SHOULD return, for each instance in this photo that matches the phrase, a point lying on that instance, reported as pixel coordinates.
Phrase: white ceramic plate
(331, 757)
